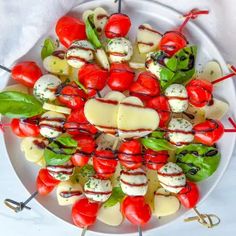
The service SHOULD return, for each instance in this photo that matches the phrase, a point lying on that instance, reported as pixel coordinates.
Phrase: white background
(16, 20)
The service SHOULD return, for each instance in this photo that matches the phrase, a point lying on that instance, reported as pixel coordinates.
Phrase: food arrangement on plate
(120, 129)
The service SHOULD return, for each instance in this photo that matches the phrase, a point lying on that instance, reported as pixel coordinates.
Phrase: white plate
(162, 18)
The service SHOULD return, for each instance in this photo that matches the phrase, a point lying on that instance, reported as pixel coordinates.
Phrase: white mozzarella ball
(45, 87)
(51, 124)
(98, 190)
(119, 50)
(171, 177)
(180, 131)
(79, 53)
(177, 97)
(134, 182)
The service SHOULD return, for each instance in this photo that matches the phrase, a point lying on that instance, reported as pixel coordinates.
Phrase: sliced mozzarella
(33, 148)
(180, 131)
(79, 53)
(56, 108)
(105, 141)
(134, 182)
(51, 124)
(100, 19)
(110, 215)
(98, 190)
(164, 203)
(73, 74)
(56, 65)
(17, 88)
(216, 110)
(119, 50)
(171, 177)
(177, 97)
(137, 65)
(102, 58)
(115, 96)
(147, 38)
(45, 87)
(68, 193)
(41, 162)
(211, 71)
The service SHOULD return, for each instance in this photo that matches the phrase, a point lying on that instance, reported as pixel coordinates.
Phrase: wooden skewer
(5, 68)
(84, 231)
(140, 233)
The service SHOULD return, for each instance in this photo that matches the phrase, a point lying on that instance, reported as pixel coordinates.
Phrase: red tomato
(93, 77)
(118, 25)
(26, 73)
(42, 188)
(70, 29)
(189, 195)
(104, 163)
(47, 179)
(155, 160)
(199, 92)
(86, 145)
(121, 77)
(24, 128)
(77, 123)
(71, 95)
(161, 105)
(146, 86)
(136, 210)
(208, 132)
(172, 41)
(84, 213)
(130, 154)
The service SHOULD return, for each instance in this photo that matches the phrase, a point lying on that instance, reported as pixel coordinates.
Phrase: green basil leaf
(158, 134)
(87, 171)
(19, 105)
(179, 68)
(48, 48)
(198, 161)
(92, 34)
(116, 196)
(157, 144)
(60, 150)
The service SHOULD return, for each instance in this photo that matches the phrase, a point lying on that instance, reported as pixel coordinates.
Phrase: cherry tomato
(130, 154)
(208, 132)
(136, 210)
(93, 77)
(77, 123)
(121, 77)
(161, 105)
(189, 195)
(26, 73)
(47, 179)
(155, 159)
(86, 145)
(24, 128)
(71, 95)
(70, 29)
(42, 188)
(104, 163)
(172, 41)
(118, 25)
(146, 86)
(84, 212)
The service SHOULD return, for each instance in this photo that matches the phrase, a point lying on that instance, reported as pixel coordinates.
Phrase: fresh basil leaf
(60, 150)
(116, 196)
(87, 171)
(19, 105)
(198, 161)
(158, 134)
(48, 48)
(92, 34)
(179, 68)
(157, 144)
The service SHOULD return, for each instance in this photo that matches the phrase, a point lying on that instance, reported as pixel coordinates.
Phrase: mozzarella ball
(180, 131)
(134, 182)
(98, 190)
(119, 50)
(45, 87)
(51, 124)
(171, 177)
(61, 172)
(177, 97)
(79, 53)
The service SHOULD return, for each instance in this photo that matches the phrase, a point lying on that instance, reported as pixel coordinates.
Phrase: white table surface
(220, 25)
